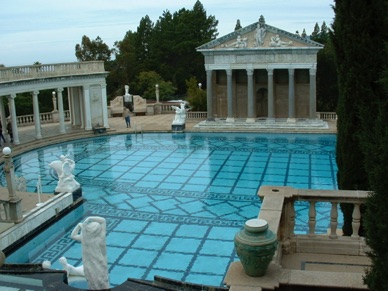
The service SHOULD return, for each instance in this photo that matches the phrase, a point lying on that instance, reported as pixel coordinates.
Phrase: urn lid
(256, 225)
(256, 233)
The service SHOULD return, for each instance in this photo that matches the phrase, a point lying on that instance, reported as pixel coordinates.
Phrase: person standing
(127, 117)
(1, 133)
(9, 130)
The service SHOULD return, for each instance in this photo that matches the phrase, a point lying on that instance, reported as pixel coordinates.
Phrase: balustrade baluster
(333, 220)
(356, 220)
(312, 221)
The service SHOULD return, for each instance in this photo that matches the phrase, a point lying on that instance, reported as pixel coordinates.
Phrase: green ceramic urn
(255, 246)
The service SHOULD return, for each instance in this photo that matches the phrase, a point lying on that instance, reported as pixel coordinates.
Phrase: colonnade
(79, 104)
(251, 116)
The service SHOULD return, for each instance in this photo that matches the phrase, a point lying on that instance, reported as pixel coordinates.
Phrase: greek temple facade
(261, 72)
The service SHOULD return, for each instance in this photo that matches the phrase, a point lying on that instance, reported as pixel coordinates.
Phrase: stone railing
(196, 115)
(327, 115)
(166, 107)
(278, 208)
(8, 74)
(47, 117)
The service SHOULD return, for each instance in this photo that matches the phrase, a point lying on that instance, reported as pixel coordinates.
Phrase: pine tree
(359, 35)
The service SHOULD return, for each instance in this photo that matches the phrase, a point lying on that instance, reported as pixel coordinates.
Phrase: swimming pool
(173, 202)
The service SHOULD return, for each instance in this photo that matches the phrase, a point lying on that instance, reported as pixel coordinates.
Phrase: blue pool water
(173, 202)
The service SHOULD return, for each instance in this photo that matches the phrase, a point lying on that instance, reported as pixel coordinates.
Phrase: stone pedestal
(55, 115)
(150, 109)
(157, 108)
(15, 210)
(178, 127)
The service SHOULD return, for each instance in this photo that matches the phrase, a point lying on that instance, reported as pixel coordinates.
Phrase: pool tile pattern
(173, 202)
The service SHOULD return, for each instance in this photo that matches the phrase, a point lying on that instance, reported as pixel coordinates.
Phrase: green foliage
(169, 46)
(144, 85)
(92, 50)
(376, 216)
(195, 95)
(327, 82)
(362, 152)
(23, 102)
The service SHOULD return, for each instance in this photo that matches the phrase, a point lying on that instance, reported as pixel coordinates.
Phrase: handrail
(8, 74)
(46, 117)
(327, 115)
(279, 206)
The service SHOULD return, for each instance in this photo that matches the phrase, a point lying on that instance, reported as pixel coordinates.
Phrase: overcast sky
(47, 31)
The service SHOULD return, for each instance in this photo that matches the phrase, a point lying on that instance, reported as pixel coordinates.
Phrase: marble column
(291, 95)
(62, 128)
(86, 108)
(2, 116)
(12, 110)
(209, 93)
(70, 104)
(313, 94)
(251, 103)
(271, 102)
(229, 84)
(104, 105)
(35, 105)
(81, 104)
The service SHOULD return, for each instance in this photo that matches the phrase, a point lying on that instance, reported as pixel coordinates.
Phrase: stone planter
(255, 246)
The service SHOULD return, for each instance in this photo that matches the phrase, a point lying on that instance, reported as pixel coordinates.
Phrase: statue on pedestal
(64, 168)
(91, 233)
(180, 114)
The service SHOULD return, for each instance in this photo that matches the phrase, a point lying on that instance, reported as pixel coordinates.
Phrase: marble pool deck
(330, 271)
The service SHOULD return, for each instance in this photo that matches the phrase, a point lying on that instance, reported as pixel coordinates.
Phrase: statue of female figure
(180, 114)
(91, 233)
(260, 34)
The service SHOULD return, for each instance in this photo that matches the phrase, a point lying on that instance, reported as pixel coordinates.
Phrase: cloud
(47, 31)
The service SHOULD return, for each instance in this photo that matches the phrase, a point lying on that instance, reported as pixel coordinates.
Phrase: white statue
(91, 233)
(260, 34)
(275, 41)
(64, 168)
(241, 42)
(70, 269)
(180, 114)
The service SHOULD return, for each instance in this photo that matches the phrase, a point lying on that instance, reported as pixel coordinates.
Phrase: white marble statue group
(180, 114)
(91, 234)
(259, 38)
(64, 168)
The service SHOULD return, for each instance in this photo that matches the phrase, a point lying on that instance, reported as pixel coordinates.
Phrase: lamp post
(15, 208)
(157, 93)
(200, 86)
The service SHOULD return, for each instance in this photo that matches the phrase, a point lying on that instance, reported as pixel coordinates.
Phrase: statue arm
(75, 234)
(98, 219)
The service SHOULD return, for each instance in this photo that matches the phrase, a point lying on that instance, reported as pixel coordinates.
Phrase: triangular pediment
(259, 36)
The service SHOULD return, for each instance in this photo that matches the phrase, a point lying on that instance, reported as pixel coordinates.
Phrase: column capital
(250, 71)
(60, 89)
(12, 96)
(270, 71)
(313, 71)
(229, 72)
(35, 92)
(291, 71)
